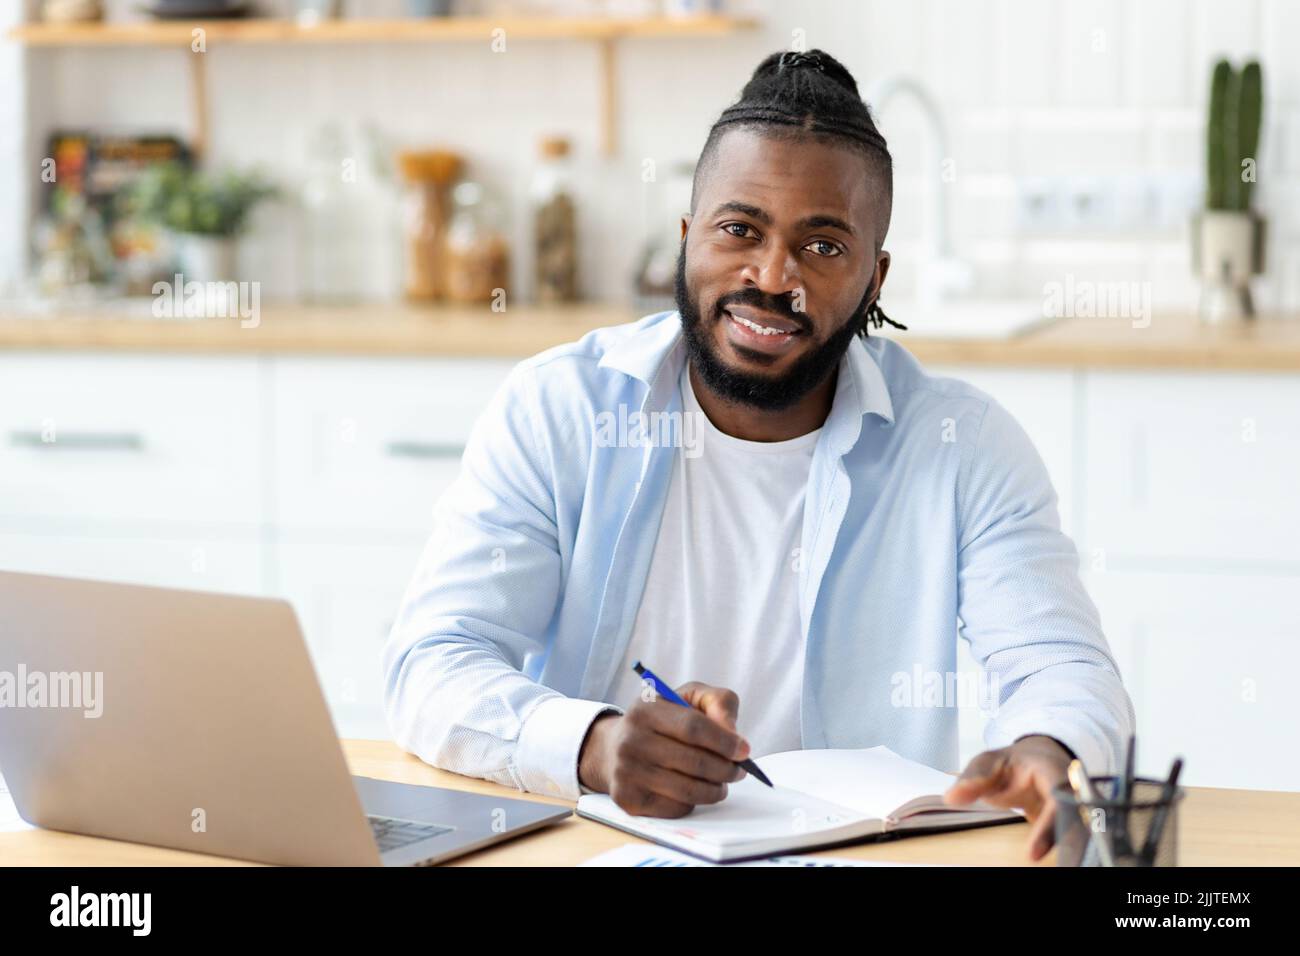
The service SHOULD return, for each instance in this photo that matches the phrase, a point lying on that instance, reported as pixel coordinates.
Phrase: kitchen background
(1050, 158)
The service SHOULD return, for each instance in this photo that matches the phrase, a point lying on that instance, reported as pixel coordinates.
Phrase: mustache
(775, 304)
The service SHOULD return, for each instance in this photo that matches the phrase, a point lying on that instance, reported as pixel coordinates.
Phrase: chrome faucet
(940, 273)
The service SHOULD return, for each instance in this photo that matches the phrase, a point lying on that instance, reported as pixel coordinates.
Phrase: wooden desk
(1219, 828)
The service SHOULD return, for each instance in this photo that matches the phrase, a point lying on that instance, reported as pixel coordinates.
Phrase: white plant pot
(205, 258)
(206, 286)
(1227, 249)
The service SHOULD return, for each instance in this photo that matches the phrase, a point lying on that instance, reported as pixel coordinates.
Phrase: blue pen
(667, 693)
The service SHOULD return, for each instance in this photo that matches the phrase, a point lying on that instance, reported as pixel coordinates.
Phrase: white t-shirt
(721, 602)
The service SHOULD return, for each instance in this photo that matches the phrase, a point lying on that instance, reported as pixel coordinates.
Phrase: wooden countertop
(1216, 828)
(1170, 341)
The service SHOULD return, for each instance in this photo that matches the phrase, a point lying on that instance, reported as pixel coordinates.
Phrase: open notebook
(820, 797)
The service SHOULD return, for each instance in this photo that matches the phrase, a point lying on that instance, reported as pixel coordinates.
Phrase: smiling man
(845, 518)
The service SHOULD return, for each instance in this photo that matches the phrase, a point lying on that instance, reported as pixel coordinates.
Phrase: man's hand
(1021, 775)
(661, 759)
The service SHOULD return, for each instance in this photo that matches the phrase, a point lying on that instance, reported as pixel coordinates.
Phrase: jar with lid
(478, 255)
(555, 227)
(429, 175)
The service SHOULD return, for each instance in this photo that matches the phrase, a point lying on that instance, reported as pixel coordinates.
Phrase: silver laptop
(195, 720)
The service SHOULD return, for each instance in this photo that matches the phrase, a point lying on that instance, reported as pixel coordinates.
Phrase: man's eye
(732, 226)
(824, 247)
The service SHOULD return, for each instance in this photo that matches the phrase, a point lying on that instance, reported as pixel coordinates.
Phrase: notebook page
(751, 811)
(874, 781)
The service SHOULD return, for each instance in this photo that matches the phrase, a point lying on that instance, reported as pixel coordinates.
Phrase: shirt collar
(656, 340)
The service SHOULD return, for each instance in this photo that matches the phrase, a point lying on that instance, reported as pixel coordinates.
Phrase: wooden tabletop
(1168, 341)
(1218, 828)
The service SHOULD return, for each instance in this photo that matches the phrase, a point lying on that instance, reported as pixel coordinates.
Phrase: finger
(716, 703)
(679, 787)
(689, 726)
(986, 772)
(660, 751)
(1042, 836)
(1018, 788)
(638, 801)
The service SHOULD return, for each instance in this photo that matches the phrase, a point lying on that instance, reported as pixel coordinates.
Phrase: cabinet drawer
(128, 439)
(1189, 465)
(369, 445)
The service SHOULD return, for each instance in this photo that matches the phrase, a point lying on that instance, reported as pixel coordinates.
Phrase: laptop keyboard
(392, 833)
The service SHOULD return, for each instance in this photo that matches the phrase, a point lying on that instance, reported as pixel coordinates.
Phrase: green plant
(185, 200)
(1232, 135)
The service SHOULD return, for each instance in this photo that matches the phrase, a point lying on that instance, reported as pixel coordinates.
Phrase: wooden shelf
(431, 29)
(180, 35)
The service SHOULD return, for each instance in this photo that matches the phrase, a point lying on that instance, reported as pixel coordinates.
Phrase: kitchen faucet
(940, 273)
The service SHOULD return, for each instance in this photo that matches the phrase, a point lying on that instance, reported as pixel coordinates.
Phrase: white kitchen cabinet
(368, 445)
(1210, 662)
(1194, 467)
(347, 596)
(133, 440)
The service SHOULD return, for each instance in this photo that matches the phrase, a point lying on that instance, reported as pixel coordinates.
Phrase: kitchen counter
(1170, 341)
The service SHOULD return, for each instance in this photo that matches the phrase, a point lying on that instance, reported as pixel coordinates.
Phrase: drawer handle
(425, 450)
(92, 441)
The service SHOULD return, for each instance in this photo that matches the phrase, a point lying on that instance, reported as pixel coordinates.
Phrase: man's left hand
(1021, 775)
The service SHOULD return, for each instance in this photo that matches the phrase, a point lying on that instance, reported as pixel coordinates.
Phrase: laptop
(195, 721)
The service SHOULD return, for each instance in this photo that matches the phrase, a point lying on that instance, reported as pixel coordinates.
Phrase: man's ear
(686, 224)
(882, 269)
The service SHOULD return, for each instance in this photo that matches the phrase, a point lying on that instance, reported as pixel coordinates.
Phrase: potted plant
(205, 214)
(1228, 236)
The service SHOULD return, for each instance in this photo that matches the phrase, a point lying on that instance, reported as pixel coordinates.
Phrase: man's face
(778, 266)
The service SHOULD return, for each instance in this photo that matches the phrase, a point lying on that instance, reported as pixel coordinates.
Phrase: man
(817, 539)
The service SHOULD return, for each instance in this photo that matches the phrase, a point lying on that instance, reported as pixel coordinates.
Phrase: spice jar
(555, 227)
(429, 175)
(478, 256)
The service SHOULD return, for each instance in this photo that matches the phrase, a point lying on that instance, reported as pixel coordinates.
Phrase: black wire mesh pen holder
(1110, 832)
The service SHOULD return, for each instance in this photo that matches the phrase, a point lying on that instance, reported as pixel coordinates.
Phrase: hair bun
(817, 60)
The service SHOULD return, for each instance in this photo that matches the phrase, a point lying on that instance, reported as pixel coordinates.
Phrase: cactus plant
(1249, 108)
(1216, 137)
(1232, 134)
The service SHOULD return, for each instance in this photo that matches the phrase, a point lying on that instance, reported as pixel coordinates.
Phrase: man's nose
(773, 270)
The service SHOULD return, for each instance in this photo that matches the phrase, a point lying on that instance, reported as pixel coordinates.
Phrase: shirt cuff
(546, 754)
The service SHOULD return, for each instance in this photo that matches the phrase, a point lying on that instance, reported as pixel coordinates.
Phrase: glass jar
(429, 175)
(555, 226)
(478, 255)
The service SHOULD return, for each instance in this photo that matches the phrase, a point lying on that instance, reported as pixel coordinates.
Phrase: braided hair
(809, 95)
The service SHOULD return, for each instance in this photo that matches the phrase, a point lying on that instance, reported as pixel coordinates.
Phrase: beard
(765, 392)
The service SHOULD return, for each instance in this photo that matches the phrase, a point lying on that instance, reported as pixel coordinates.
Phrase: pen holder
(1108, 832)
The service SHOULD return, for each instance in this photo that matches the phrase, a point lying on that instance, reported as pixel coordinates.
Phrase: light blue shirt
(928, 515)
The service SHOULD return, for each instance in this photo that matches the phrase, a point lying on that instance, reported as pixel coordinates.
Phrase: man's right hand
(661, 759)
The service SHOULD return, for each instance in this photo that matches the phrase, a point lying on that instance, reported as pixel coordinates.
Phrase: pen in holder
(1101, 830)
